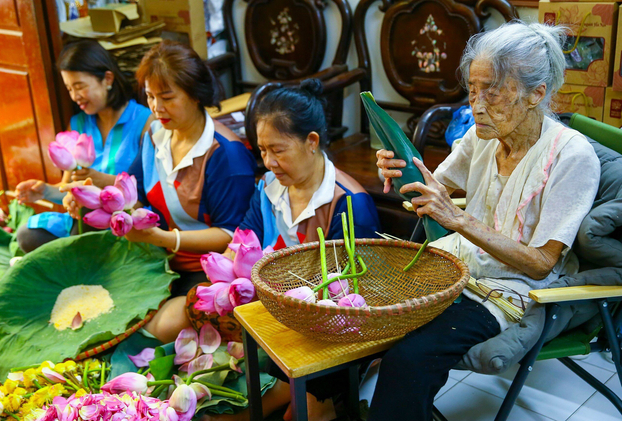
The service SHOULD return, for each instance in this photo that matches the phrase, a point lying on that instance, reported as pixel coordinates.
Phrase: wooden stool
(299, 357)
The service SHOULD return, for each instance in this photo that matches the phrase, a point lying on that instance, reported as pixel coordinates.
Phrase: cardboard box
(183, 16)
(586, 100)
(109, 18)
(613, 108)
(593, 27)
(617, 58)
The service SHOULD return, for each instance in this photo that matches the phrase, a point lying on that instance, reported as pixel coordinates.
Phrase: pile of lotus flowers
(231, 279)
(111, 206)
(72, 149)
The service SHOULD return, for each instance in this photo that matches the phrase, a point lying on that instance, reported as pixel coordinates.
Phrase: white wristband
(177, 240)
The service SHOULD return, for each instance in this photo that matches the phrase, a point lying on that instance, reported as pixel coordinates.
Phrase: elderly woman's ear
(313, 141)
(537, 95)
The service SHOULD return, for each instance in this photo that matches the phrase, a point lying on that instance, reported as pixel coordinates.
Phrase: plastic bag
(461, 122)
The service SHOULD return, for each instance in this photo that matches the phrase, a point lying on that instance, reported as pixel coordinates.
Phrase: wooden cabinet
(30, 110)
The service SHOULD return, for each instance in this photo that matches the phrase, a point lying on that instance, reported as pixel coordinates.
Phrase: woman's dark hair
(296, 111)
(89, 57)
(178, 63)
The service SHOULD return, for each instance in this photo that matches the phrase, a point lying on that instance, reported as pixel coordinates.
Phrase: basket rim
(405, 306)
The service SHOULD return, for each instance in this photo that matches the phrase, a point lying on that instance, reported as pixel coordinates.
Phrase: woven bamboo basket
(398, 301)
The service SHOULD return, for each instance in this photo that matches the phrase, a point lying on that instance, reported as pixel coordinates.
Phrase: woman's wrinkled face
(497, 110)
(86, 90)
(171, 105)
(289, 158)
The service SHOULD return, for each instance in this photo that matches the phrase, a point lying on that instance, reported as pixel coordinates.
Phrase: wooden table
(299, 357)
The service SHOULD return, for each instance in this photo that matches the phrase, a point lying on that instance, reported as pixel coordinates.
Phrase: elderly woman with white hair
(529, 180)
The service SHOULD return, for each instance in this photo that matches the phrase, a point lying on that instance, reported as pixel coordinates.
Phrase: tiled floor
(470, 396)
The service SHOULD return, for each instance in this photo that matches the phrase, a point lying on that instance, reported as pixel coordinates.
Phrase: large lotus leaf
(5, 252)
(137, 276)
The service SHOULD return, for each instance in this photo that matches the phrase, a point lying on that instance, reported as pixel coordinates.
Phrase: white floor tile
(598, 359)
(598, 407)
(459, 374)
(465, 403)
(551, 389)
(450, 383)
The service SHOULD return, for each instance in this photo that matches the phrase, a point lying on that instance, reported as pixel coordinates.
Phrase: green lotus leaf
(137, 276)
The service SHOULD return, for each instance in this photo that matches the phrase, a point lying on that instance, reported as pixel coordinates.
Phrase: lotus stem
(158, 390)
(85, 375)
(414, 260)
(103, 373)
(24, 368)
(320, 234)
(240, 398)
(12, 414)
(209, 370)
(73, 385)
(349, 242)
(355, 281)
(160, 382)
(350, 276)
(213, 386)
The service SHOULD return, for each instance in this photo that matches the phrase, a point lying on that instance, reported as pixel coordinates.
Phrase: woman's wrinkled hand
(69, 201)
(30, 191)
(434, 200)
(387, 165)
(99, 179)
(143, 236)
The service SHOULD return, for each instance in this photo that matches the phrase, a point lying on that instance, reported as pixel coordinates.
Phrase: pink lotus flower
(222, 303)
(233, 364)
(206, 296)
(327, 302)
(268, 250)
(127, 186)
(245, 258)
(87, 196)
(120, 223)
(247, 237)
(91, 412)
(184, 401)
(53, 376)
(201, 391)
(99, 219)
(84, 151)
(61, 157)
(241, 291)
(352, 300)
(143, 219)
(112, 199)
(217, 267)
(186, 345)
(132, 382)
(142, 359)
(302, 293)
(235, 349)
(338, 289)
(209, 339)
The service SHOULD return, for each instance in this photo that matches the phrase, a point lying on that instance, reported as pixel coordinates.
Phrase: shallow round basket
(398, 301)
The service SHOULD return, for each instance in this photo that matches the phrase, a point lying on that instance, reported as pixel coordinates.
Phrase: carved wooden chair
(421, 42)
(286, 41)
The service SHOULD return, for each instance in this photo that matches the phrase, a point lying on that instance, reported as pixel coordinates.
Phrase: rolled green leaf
(394, 139)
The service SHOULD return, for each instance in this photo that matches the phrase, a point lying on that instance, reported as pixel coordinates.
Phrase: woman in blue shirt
(108, 114)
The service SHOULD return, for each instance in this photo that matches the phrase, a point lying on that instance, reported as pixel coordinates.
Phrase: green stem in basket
(346, 268)
(350, 276)
(320, 234)
(349, 244)
(414, 260)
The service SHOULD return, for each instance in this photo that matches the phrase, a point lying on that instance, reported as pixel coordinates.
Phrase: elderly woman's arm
(535, 262)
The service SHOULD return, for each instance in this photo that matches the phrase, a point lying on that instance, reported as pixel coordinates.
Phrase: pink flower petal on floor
(142, 359)
(186, 345)
(209, 339)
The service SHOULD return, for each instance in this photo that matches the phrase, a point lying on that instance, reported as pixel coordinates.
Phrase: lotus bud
(245, 258)
(222, 302)
(112, 199)
(120, 223)
(84, 151)
(302, 293)
(184, 401)
(143, 219)
(241, 291)
(338, 289)
(52, 376)
(99, 219)
(217, 267)
(142, 359)
(186, 345)
(352, 300)
(87, 196)
(206, 296)
(61, 157)
(327, 302)
(128, 187)
(132, 382)
(247, 237)
(235, 349)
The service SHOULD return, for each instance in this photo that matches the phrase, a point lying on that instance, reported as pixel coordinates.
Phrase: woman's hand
(155, 236)
(30, 191)
(69, 202)
(385, 163)
(99, 179)
(434, 200)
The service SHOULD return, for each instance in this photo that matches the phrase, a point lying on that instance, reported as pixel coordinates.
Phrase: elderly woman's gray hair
(530, 53)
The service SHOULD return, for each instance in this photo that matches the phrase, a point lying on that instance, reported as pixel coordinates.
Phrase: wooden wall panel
(12, 51)
(8, 14)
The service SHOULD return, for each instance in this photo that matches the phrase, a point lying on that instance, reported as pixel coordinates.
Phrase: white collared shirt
(162, 142)
(279, 197)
